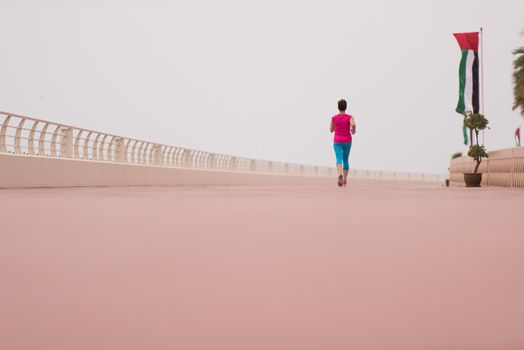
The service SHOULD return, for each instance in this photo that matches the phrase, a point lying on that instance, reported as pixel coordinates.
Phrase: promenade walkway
(379, 265)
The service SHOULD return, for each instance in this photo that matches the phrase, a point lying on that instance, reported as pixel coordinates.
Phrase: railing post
(101, 149)
(211, 161)
(76, 146)
(120, 149)
(187, 158)
(18, 136)
(233, 164)
(31, 146)
(198, 159)
(168, 156)
(3, 134)
(111, 149)
(157, 155)
(252, 165)
(66, 145)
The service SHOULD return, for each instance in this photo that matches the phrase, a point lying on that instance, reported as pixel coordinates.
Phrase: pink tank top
(341, 122)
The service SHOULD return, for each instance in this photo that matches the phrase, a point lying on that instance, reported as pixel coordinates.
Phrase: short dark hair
(342, 105)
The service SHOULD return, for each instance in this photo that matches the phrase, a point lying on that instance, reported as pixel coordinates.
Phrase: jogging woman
(343, 125)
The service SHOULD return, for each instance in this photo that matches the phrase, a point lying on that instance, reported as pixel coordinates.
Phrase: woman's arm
(331, 127)
(353, 126)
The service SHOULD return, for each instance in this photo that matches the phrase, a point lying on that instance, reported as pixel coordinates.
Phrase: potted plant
(475, 122)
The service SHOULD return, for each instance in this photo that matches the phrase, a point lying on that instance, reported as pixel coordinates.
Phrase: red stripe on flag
(468, 41)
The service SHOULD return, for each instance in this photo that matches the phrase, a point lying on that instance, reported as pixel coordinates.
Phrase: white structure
(41, 153)
(504, 167)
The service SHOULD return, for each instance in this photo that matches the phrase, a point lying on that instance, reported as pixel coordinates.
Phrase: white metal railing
(37, 137)
(504, 167)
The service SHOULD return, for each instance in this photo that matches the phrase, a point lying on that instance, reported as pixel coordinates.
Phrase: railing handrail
(91, 130)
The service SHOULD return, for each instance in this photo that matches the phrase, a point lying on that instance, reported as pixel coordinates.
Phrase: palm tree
(518, 79)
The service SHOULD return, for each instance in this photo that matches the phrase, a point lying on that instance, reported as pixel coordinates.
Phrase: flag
(517, 136)
(465, 132)
(468, 72)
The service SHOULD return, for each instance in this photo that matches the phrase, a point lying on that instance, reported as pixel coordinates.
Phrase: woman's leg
(346, 151)
(339, 154)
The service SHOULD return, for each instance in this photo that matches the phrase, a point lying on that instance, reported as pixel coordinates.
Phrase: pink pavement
(374, 266)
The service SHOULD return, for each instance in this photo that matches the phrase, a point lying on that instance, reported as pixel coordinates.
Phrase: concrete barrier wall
(504, 167)
(32, 171)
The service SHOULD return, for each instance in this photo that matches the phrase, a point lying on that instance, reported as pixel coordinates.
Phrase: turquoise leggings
(342, 152)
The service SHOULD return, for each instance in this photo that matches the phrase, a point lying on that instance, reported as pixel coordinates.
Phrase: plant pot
(472, 179)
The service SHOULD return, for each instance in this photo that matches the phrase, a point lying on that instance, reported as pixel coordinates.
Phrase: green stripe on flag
(461, 106)
(465, 132)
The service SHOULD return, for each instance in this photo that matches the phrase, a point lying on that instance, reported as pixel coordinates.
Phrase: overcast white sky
(261, 78)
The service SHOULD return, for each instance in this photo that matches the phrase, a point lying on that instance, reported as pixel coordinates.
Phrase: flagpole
(482, 73)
